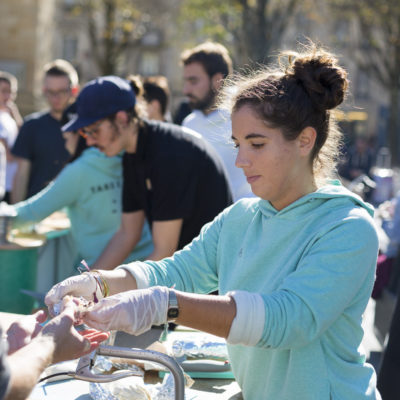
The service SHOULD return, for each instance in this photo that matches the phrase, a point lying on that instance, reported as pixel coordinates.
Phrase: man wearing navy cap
(171, 176)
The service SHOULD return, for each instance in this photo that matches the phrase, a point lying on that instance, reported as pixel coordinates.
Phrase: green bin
(18, 266)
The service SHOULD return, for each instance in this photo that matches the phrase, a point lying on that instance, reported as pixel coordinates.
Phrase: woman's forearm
(212, 314)
(118, 280)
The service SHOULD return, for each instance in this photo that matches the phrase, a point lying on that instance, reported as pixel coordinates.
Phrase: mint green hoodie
(313, 263)
(90, 188)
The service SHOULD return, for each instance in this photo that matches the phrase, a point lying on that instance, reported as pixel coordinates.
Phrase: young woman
(90, 187)
(294, 268)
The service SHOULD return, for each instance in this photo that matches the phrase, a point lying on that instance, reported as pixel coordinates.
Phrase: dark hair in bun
(323, 80)
(299, 94)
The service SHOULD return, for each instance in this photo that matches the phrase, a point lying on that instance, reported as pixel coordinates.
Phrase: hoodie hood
(94, 158)
(331, 196)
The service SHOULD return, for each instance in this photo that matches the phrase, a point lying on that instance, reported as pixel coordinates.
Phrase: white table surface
(79, 390)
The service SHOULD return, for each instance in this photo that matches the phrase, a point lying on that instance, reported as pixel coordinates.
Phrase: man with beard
(204, 69)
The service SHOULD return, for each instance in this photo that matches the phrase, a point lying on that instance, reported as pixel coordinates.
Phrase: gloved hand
(84, 285)
(134, 311)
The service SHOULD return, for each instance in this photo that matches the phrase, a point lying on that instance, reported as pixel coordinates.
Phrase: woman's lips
(252, 179)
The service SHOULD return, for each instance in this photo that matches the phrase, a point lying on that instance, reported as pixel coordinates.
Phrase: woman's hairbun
(322, 78)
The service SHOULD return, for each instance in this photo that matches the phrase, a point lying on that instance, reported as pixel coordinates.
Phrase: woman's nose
(241, 159)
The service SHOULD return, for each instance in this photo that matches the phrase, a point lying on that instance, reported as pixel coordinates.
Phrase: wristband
(104, 288)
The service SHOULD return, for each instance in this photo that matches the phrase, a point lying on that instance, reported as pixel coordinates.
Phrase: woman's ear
(306, 140)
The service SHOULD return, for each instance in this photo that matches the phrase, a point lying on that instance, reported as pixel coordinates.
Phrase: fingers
(83, 285)
(93, 346)
(95, 335)
(21, 332)
(88, 331)
(89, 341)
(40, 316)
(60, 290)
(69, 304)
(54, 295)
(87, 345)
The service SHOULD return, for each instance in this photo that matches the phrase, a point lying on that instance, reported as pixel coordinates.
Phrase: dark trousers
(389, 372)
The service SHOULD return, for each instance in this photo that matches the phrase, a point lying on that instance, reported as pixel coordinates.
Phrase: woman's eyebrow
(252, 136)
(255, 135)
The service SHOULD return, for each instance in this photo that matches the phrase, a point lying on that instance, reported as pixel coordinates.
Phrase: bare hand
(69, 343)
(21, 332)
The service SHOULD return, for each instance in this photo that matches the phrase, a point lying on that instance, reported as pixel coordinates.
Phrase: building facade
(34, 32)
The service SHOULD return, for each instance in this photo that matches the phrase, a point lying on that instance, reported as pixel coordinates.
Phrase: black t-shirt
(40, 141)
(175, 174)
(4, 370)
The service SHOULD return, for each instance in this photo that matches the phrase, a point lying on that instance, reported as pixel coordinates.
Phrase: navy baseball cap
(99, 99)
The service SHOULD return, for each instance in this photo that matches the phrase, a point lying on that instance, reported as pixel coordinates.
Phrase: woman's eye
(235, 145)
(257, 145)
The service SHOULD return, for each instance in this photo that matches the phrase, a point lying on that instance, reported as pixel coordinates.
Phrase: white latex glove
(134, 311)
(84, 285)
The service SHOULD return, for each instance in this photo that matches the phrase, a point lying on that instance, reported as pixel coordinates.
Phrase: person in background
(90, 187)
(156, 94)
(27, 349)
(388, 377)
(8, 95)
(204, 69)
(10, 120)
(39, 148)
(182, 111)
(359, 159)
(3, 161)
(171, 177)
(294, 267)
(388, 383)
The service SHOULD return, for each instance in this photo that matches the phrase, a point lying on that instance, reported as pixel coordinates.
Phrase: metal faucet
(83, 370)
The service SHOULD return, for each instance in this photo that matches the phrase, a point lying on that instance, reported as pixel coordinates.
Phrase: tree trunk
(393, 125)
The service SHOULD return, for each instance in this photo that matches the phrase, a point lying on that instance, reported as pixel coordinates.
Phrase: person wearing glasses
(90, 182)
(171, 177)
(39, 148)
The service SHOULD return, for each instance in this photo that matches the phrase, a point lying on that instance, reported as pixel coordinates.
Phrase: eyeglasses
(91, 133)
(57, 93)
